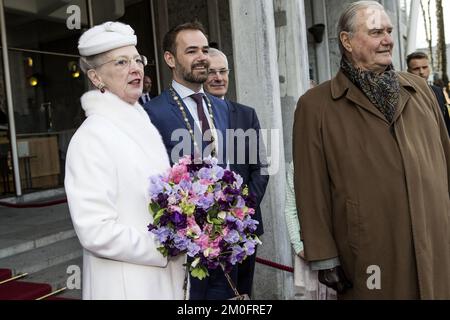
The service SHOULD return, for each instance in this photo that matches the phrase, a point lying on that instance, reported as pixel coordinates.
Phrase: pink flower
(251, 211)
(206, 182)
(177, 173)
(203, 241)
(182, 232)
(239, 213)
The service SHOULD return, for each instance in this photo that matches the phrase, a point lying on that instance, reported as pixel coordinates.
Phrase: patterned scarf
(383, 89)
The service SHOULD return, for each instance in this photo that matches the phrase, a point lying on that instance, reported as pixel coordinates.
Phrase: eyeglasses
(125, 62)
(222, 72)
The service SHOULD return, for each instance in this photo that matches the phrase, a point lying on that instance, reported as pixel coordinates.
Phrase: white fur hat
(105, 37)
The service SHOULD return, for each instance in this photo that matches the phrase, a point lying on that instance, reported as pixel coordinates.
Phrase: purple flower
(181, 243)
(165, 219)
(250, 200)
(162, 200)
(194, 167)
(231, 191)
(228, 177)
(179, 220)
(217, 173)
(249, 247)
(151, 227)
(200, 216)
(205, 202)
(199, 189)
(156, 185)
(250, 224)
(237, 255)
(239, 180)
(232, 237)
(185, 185)
(240, 202)
(205, 173)
(193, 249)
(224, 205)
(162, 234)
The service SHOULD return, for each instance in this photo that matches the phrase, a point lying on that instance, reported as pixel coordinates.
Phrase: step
(22, 290)
(57, 275)
(43, 257)
(5, 274)
(19, 239)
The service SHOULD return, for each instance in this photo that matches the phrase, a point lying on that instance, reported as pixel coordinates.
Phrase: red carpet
(22, 290)
(5, 274)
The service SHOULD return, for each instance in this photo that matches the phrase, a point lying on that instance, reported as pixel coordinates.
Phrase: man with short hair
(185, 107)
(146, 88)
(371, 171)
(419, 64)
(245, 118)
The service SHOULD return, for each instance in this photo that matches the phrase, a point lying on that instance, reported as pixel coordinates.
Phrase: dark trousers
(216, 286)
(246, 271)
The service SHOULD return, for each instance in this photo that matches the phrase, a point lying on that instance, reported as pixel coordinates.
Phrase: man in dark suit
(419, 64)
(186, 117)
(252, 170)
(146, 88)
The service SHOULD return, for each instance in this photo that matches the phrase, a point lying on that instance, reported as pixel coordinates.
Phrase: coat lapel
(405, 95)
(233, 114)
(341, 85)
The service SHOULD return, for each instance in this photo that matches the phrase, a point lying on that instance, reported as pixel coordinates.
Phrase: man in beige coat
(372, 158)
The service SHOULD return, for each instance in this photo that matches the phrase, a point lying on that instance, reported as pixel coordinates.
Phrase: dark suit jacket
(243, 117)
(167, 117)
(441, 100)
(141, 102)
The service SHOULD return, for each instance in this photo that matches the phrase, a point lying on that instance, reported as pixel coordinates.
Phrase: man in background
(147, 87)
(244, 118)
(419, 64)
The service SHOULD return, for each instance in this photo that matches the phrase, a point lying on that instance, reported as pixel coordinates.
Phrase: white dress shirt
(191, 105)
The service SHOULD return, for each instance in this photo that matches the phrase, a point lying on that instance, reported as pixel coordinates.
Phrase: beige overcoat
(373, 193)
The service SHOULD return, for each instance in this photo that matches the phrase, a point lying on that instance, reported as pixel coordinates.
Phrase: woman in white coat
(109, 161)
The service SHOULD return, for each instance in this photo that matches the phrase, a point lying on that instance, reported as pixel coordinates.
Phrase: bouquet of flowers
(204, 211)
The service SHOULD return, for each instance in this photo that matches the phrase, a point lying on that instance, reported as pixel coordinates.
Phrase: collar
(130, 119)
(183, 91)
(340, 84)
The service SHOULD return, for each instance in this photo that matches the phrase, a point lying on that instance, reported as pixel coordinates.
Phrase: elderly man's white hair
(213, 52)
(347, 19)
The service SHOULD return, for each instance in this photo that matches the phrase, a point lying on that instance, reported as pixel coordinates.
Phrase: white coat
(109, 161)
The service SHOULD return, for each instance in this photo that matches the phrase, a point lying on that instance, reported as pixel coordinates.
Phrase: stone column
(322, 49)
(293, 64)
(257, 85)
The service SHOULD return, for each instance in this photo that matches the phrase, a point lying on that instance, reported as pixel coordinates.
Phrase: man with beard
(202, 118)
(192, 122)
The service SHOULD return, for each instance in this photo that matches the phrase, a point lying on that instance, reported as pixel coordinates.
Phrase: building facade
(274, 48)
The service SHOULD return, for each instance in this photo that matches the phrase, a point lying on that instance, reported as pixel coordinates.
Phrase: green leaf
(199, 272)
(158, 216)
(154, 208)
(164, 251)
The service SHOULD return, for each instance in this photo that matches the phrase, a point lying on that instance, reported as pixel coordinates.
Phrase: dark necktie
(198, 98)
